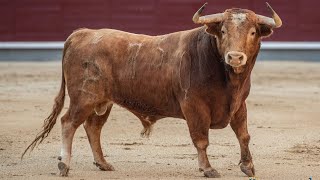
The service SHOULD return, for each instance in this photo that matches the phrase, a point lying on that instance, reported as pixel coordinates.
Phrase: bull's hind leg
(147, 123)
(78, 112)
(93, 126)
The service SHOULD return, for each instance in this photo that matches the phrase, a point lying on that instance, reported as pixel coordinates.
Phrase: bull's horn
(274, 22)
(198, 19)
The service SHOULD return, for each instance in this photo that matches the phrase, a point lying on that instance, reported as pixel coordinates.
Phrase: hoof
(104, 166)
(212, 174)
(248, 169)
(64, 169)
(146, 132)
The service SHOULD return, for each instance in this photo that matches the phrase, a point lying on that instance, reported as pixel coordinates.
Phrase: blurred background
(36, 29)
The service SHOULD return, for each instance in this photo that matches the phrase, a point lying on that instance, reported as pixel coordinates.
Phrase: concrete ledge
(32, 45)
(290, 45)
(300, 51)
(44, 51)
(31, 51)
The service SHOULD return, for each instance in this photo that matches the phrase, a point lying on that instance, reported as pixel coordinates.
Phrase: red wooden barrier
(54, 20)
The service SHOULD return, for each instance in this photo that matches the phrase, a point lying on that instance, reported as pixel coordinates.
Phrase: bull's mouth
(238, 70)
(235, 65)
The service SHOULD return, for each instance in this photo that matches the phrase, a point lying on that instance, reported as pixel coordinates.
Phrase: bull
(200, 75)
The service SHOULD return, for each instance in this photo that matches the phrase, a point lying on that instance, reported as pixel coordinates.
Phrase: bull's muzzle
(235, 58)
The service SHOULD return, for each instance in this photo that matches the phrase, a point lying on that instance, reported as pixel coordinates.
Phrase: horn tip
(268, 5)
(202, 7)
(197, 15)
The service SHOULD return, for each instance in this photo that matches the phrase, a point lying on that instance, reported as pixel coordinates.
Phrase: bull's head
(238, 33)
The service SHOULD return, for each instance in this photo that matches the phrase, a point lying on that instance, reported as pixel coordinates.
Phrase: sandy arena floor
(284, 123)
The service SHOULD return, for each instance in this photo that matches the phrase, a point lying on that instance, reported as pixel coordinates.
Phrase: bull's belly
(146, 103)
(144, 89)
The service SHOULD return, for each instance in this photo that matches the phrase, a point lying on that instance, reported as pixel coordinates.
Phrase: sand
(284, 123)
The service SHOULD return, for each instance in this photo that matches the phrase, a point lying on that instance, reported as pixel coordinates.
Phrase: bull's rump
(137, 72)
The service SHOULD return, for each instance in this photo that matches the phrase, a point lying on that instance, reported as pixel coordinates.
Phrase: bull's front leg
(199, 123)
(239, 126)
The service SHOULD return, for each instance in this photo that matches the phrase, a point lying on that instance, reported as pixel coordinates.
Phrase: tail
(50, 121)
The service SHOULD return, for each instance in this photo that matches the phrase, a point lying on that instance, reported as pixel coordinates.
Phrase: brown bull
(200, 75)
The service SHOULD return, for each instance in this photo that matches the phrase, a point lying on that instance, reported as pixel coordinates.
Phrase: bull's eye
(222, 31)
(253, 33)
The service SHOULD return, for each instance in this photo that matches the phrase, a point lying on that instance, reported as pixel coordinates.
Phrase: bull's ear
(213, 28)
(265, 30)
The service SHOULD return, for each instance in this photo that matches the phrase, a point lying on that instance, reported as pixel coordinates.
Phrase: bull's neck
(237, 81)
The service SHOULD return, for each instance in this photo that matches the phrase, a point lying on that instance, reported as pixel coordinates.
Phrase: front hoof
(104, 166)
(64, 169)
(248, 169)
(212, 174)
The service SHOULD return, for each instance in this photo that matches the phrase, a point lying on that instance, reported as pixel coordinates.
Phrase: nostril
(241, 58)
(229, 57)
